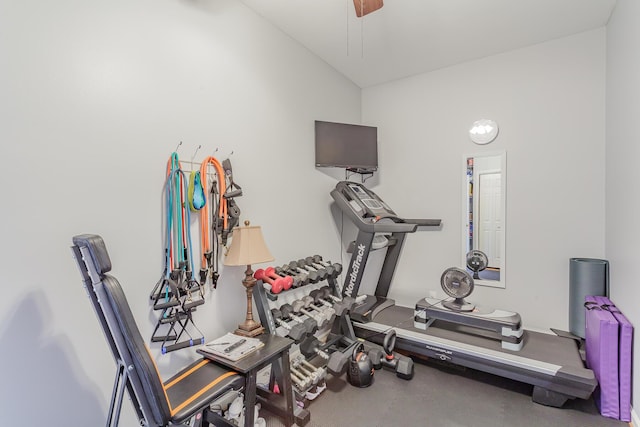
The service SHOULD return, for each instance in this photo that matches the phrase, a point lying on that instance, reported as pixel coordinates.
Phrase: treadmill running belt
(546, 360)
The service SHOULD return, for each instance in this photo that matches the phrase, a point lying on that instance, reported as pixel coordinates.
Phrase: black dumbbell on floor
(402, 365)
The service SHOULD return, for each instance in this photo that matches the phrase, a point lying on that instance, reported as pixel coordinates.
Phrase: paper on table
(232, 347)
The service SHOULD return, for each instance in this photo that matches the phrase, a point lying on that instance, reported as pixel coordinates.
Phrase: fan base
(458, 305)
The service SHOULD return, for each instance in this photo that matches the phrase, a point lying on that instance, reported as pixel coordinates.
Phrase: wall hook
(196, 152)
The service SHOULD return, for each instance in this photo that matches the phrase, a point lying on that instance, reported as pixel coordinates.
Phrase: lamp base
(249, 330)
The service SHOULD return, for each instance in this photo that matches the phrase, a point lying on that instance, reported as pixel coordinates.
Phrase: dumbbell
(316, 374)
(302, 275)
(331, 271)
(320, 296)
(304, 362)
(297, 279)
(338, 361)
(287, 280)
(348, 301)
(322, 273)
(299, 306)
(310, 261)
(301, 380)
(328, 312)
(311, 275)
(274, 285)
(376, 355)
(337, 267)
(310, 347)
(402, 365)
(311, 326)
(296, 332)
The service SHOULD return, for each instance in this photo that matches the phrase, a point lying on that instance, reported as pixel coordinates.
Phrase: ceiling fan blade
(364, 7)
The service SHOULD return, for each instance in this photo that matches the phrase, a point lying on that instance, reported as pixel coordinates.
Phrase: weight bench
(188, 394)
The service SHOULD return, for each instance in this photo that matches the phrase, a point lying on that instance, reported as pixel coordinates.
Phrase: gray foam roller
(587, 276)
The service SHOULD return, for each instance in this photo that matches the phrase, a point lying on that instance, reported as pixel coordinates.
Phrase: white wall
(623, 151)
(94, 96)
(548, 100)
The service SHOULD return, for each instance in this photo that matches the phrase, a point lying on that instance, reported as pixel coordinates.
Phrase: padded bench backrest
(121, 321)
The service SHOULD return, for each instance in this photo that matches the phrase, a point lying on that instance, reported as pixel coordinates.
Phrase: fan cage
(458, 284)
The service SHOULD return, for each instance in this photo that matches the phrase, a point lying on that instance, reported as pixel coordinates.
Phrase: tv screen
(346, 146)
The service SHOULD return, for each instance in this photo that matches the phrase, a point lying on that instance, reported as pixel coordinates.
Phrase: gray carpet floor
(442, 396)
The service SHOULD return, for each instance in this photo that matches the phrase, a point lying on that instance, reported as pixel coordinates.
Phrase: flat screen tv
(348, 146)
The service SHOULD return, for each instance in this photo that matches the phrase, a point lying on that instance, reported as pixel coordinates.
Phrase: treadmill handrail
(424, 222)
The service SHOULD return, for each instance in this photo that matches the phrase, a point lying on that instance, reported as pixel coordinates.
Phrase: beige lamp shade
(247, 247)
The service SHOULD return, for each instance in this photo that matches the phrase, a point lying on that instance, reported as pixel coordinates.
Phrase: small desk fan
(457, 283)
(476, 262)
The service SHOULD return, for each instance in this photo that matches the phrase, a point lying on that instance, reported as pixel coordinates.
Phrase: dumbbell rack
(339, 334)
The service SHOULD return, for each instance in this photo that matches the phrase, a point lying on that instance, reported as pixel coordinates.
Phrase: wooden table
(275, 352)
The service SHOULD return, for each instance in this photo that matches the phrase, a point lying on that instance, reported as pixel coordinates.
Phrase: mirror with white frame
(483, 215)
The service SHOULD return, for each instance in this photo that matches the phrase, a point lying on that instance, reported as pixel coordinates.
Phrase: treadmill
(492, 341)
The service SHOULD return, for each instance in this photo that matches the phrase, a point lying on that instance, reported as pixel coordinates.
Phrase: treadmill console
(364, 201)
(370, 214)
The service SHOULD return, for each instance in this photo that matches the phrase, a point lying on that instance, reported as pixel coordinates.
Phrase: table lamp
(248, 247)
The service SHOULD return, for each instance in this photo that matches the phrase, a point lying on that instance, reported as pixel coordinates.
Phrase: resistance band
(173, 294)
(215, 202)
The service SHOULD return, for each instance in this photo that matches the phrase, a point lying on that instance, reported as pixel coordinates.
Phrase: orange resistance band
(204, 212)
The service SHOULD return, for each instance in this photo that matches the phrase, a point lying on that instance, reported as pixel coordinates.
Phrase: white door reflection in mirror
(484, 214)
